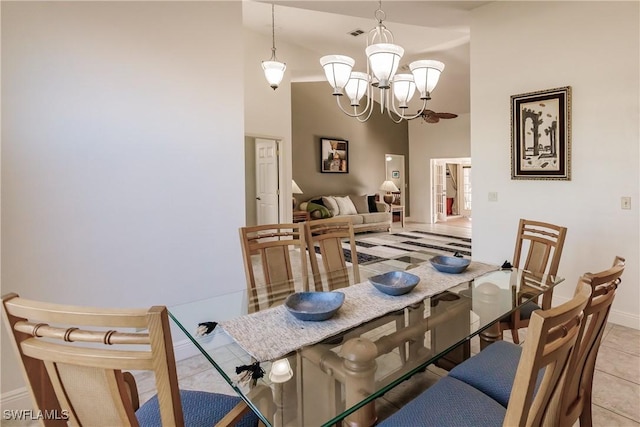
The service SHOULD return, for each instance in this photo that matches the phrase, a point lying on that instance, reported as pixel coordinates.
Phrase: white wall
(446, 139)
(122, 153)
(519, 47)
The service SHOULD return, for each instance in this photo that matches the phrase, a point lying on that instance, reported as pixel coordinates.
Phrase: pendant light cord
(273, 31)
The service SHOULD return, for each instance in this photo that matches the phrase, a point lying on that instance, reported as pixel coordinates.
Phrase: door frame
(401, 182)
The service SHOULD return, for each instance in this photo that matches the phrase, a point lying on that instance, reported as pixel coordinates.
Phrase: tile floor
(616, 389)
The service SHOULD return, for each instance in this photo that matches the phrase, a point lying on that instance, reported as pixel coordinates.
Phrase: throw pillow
(318, 201)
(331, 204)
(372, 203)
(345, 205)
(318, 211)
(361, 204)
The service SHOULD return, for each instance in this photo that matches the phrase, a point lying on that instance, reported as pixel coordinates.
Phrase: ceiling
(425, 29)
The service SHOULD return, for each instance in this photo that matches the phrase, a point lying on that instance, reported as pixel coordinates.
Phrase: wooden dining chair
(493, 370)
(328, 235)
(275, 262)
(75, 362)
(452, 402)
(538, 250)
(575, 400)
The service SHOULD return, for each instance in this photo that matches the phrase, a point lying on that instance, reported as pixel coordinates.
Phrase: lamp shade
(337, 69)
(403, 88)
(426, 74)
(356, 87)
(274, 72)
(384, 59)
(294, 188)
(389, 186)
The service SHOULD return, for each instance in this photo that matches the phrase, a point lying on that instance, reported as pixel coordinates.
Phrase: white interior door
(439, 192)
(266, 181)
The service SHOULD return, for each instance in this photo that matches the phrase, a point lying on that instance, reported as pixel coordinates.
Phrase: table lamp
(295, 190)
(389, 187)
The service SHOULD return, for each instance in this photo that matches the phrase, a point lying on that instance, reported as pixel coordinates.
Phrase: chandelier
(273, 69)
(383, 60)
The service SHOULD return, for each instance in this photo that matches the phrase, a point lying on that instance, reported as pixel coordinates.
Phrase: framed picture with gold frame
(541, 134)
(334, 155)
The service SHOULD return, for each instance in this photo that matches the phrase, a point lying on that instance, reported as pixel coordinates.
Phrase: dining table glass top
(314, 373)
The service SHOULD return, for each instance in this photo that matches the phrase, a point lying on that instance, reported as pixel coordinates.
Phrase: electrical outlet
(625, 202)
(493, 196)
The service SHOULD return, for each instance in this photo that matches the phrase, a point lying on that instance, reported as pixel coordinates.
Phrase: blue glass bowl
(395, 282)
(450, 264)
(314, 306)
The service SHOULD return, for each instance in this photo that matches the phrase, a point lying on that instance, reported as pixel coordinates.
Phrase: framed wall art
(395, 174)
(334, 155)
(541, 134)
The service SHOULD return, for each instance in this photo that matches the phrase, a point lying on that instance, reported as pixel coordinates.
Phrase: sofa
(365, 212)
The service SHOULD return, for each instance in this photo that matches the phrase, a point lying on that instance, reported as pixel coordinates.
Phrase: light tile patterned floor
(616, 389)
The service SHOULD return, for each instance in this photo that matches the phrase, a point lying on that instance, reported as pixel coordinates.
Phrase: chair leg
(586, 419)
(514, 335)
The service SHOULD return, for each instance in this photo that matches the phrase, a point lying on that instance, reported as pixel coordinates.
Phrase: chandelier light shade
(337, 69)
(383, 60)
(426, 74)
(273, 69)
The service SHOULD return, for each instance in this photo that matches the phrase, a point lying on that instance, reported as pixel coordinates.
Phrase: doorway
(451, 189)
(394, 172)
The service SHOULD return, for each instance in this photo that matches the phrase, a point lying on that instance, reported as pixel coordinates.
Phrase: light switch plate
(625, 202)
(493, 196)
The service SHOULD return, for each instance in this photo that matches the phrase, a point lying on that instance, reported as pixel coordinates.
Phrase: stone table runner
(273, 333)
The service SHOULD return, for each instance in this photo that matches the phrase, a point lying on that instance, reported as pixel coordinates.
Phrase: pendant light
(273, 69)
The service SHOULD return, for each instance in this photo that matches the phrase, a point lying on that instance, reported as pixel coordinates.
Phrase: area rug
(362, 257)
(407, 248)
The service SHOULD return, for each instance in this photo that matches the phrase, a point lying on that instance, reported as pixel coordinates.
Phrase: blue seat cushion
(199, 408)
(492, 371)
(448, 403)
(525, 311)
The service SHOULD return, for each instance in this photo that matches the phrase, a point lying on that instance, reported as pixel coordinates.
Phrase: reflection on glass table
(320, 373)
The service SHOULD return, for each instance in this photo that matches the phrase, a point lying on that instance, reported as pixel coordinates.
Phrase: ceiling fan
(431, 116)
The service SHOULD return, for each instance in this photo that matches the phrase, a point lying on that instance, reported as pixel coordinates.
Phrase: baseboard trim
(16, 400)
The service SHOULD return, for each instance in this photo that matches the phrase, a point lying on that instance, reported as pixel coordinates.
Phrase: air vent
(356, 32)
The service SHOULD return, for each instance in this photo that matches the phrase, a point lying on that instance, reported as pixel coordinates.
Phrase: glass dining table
(320, 373)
